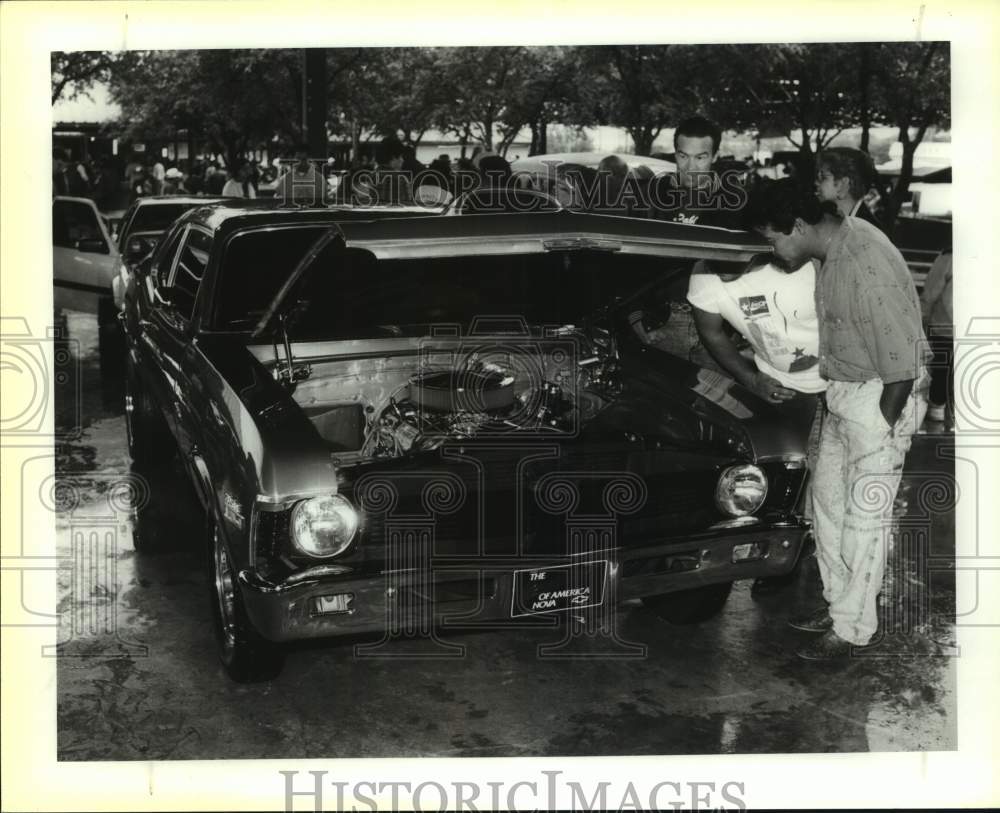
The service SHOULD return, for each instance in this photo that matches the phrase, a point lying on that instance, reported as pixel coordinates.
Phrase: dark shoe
(817, 621)
(829, 647)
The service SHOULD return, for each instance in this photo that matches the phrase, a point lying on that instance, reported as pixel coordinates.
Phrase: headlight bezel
(729, 477)
(337, 505)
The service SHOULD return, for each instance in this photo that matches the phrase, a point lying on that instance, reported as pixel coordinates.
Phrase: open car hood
(512, 234)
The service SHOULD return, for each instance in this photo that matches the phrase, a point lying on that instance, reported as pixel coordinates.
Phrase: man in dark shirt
(696, 193)
(873, 352)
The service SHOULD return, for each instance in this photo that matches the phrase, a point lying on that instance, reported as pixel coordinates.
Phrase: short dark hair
(699, 127)
(387, 149)
(855, 165)
(776, 205)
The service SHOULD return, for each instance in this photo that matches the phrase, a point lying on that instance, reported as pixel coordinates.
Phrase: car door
(83, 254)
(151, 323)
(174, 334)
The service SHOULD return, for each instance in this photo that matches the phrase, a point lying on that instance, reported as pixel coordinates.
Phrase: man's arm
(711, 331)
(893, 400)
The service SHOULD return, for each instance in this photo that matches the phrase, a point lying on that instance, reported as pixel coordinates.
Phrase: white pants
(859, 466)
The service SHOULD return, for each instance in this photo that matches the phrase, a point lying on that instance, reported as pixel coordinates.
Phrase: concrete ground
(139, 678)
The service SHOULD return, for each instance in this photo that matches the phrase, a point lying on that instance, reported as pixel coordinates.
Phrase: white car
(541, 164)
(84, 257)
(557, 174)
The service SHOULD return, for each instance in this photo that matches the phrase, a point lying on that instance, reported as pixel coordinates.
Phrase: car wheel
(690, 606)
(245, 655)
(149, 439)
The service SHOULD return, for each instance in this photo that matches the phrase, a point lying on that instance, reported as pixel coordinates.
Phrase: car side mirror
(95, 245)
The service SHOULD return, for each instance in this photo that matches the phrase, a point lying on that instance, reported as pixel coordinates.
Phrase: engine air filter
(463, 391)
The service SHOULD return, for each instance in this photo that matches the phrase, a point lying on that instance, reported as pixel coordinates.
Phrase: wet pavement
(138, 676)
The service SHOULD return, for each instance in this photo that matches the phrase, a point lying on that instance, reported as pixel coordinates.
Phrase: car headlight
(741, 490)
(324, 526)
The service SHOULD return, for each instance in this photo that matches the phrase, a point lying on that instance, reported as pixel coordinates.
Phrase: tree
(547, 93)
(231, 100)
(75, 72)
(806, 92)
(912, 91)
(478, 84)
(633, 88)
(391, 92)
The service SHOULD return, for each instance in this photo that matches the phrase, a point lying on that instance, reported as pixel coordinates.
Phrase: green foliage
(75, 72)
(233, 100)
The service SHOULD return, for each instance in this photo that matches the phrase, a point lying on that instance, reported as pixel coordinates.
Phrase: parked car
(566, 176)
(501, 200)
(441, 423)
(84, 256)
(140, 229)
(539, 164)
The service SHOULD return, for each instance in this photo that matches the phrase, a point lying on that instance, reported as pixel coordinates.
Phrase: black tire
(245, 655)
(690, 606)
(149, 439)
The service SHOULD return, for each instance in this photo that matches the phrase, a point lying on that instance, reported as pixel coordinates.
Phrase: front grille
(501, 509)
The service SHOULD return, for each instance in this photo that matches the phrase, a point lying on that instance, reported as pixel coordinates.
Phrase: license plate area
(559, 589)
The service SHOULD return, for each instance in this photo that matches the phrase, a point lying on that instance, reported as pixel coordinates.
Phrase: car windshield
(159, 217)
(352, 294)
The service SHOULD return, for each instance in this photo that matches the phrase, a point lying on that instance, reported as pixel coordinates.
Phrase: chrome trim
(313, 575)
(452, 246)
(268, 502)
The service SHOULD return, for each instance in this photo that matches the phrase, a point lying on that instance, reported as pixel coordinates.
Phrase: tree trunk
(864, 86)
(355, 141)
(643, 140)
(902, 187)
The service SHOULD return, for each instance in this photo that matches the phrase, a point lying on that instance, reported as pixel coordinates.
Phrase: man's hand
(770, 389)
(893, 400)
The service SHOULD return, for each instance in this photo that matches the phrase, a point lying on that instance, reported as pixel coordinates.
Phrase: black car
(426, 423)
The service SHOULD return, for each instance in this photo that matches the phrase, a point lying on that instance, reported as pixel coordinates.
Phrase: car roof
(184, 200)
(539, 163)
(521, 233)
(230, 214)
(413, 231)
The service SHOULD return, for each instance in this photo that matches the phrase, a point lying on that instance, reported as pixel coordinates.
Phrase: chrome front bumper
(480, 592)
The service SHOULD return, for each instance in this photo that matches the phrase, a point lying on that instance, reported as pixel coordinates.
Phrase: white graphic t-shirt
(775, 311)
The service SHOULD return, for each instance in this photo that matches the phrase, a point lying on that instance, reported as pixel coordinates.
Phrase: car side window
(73, 223)
(123, 227)
(189, 270)
(165, 259)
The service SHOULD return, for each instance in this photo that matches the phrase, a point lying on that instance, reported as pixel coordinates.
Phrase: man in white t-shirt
(775, 311)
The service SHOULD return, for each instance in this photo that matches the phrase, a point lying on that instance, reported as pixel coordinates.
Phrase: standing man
(303, 184)
(873, 353)
(158, 175)
(696, 193)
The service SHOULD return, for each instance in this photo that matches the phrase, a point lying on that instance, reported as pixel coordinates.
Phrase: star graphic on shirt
(799, 352)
